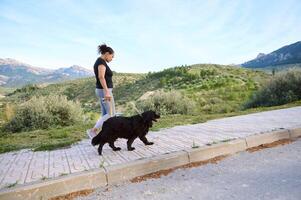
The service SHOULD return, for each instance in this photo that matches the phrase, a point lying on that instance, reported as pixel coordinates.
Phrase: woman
(104, 87)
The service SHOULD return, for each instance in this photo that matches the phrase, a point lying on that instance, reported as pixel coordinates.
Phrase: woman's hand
(107, 95)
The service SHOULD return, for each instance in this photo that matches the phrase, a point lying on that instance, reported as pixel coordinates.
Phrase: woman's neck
(102, 57)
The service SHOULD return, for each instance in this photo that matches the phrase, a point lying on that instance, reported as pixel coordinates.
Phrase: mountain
(12, 67)
(14, 73)
(74, 71)
(290, 54)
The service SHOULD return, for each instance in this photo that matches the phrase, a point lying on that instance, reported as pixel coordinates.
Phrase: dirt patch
(73, 195)
(160, 173)
(270, 145)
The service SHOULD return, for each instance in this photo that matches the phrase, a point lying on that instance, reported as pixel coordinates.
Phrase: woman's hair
(102, 49)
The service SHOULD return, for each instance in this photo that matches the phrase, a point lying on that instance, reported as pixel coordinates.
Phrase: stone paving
(26, 166)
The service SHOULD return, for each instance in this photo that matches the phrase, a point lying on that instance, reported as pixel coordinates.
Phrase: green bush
(44, 112)
(27, 89)
(172, 102)
(282, 89)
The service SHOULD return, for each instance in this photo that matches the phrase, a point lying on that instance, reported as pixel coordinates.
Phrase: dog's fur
(125, 127)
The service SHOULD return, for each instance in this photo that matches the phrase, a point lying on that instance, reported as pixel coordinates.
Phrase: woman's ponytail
(102, 49)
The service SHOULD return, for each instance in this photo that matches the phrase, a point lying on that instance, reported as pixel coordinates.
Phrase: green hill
(4, 90)
(280, 68)
(215, 88)
(82, 90)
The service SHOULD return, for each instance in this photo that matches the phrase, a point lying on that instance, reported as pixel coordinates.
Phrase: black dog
(125, 127)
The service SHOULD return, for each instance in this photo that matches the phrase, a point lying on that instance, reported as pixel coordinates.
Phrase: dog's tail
(96, 139)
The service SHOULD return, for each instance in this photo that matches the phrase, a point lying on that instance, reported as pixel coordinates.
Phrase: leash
(135, 108)
(133, 104)
(111, 106)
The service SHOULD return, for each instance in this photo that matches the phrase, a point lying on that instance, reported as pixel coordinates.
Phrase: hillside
(215, 88)
(280, 68)
(82, 90)
(14, 73)
(290, 54)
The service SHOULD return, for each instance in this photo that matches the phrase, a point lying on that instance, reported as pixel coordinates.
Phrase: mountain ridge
(288, 54)
(14, 73)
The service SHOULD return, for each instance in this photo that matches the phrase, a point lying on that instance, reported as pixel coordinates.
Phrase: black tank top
(108, 73)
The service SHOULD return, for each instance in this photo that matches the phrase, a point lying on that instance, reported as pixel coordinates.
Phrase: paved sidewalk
(26, 166)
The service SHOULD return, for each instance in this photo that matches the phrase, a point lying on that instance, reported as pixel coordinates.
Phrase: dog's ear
(156, 115)
(147, 117)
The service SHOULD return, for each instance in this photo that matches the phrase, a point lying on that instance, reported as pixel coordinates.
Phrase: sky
(146, 35)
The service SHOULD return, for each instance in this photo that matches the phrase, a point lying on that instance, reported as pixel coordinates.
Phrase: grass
(194, 145)
(12, 185)
(63, 174)
(101, 164)
(226, 140)
(42, 140)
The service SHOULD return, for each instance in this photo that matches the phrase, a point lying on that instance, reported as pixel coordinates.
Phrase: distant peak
(76, 67)
(289, 54)
(11, 61)
(260, 55)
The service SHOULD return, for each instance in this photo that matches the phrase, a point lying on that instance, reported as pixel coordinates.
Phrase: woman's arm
(101, 77)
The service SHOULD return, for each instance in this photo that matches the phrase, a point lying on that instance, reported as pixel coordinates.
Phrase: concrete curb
(256, 140)
(208, 152)
(58, 186)
(141, 167)
(294, 133)
(115, 174)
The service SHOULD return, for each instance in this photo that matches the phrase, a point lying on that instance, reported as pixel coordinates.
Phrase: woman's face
(109, 57)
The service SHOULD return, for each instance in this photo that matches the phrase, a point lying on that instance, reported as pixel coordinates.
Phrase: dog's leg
(130, 142)
(100, 147)
(145, 141)
(111, 144)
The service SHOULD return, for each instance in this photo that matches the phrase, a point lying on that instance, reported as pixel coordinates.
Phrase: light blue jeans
(105, 106)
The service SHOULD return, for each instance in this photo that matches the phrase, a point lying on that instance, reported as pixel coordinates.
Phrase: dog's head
(149, 117)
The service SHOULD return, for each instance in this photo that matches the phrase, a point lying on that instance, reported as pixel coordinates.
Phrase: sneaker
(91, 134)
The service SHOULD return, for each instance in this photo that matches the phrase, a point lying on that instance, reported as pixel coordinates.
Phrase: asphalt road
(271, 174)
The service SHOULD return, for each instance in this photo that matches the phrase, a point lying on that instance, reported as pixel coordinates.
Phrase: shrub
(27, 89)
(44, 112)
(172, 102)
(282, 89)
(215, 100)
(9, 111)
